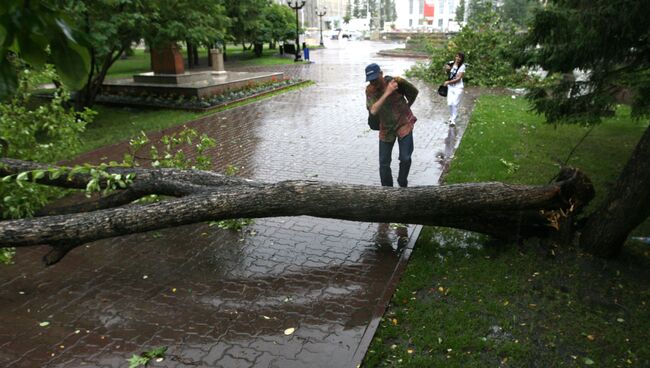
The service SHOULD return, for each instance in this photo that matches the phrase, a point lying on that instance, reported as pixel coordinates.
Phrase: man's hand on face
(391, 87)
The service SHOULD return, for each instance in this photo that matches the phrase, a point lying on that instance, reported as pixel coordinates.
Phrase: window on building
(410, 6)
(421, 7)
(439, 23)
(441, 5)
(410, 22)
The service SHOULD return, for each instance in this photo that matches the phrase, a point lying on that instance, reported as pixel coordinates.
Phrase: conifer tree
(610, 43)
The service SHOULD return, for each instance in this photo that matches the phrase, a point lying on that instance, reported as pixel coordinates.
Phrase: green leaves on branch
(7, 255)
(596, 51)
(169, 151)
(100, 179)
(43, 132)
(488, 44)
(196, 21)
(233, 224)
(143, 359)
(38, 33)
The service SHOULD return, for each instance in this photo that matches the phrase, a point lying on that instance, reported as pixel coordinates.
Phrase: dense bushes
(488, 44)
(38, 132)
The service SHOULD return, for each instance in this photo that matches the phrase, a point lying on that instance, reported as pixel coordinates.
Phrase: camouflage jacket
(395, 115)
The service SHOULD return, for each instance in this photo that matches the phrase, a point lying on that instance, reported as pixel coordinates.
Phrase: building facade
(333, 18)
(412, 15)
(427, 15)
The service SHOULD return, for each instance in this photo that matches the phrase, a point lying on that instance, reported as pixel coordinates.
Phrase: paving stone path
(219, 298)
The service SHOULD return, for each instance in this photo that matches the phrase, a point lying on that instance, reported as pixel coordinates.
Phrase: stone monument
(168, 77)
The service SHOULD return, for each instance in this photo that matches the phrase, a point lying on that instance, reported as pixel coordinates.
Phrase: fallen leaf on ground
(289, 331)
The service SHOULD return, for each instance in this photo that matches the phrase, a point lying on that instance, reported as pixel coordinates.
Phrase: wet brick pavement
(218, 298)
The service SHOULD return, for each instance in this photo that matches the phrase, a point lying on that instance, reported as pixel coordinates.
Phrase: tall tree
(610, 43)
(279, 24)
(519, 11)
(389, 14)
(355, 9)
(348, 12)
(360, 9)
(196, 21)
(460, 11)
(373, 10)
(113, 26)
(478, 8)
(246, 18)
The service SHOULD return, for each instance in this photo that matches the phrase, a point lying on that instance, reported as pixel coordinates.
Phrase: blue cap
(372, 72)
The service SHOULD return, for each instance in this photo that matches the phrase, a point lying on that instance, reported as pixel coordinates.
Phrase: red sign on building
(428, 9)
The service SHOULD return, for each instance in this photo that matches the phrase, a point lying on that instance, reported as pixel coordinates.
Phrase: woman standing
(455, 85)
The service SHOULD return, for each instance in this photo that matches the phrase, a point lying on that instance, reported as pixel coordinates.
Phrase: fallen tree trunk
(497, 209)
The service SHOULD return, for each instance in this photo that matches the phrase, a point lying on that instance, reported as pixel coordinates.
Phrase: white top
(458, 84)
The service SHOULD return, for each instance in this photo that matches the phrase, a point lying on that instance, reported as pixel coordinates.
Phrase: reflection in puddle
(391, 236)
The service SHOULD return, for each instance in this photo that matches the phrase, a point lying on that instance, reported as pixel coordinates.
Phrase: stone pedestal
(167, 60)
(216, 60)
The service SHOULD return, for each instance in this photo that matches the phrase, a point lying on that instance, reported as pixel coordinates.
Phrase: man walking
(390, 99)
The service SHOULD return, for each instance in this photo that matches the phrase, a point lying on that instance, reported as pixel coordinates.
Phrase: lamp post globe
(297, 5)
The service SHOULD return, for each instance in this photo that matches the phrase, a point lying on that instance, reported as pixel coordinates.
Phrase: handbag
(373, 121)
(442, 89)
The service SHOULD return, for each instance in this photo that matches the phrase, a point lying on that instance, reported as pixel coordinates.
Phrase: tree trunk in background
(189, 55)
(195, 55)
(626, 207)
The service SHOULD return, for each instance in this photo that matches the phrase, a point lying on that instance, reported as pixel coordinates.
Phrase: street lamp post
(320, 14)
(293, 4)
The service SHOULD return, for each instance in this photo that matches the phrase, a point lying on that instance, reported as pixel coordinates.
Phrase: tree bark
(189, 54)
(88, 94)
(497, 209)
(195, 54)
(626, 207)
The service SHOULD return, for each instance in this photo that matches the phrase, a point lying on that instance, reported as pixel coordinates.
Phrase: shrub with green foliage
(33, 131)
(488, 44)
(39, 132)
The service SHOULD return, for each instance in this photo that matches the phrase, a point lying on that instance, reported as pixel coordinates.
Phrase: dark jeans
(385, 151)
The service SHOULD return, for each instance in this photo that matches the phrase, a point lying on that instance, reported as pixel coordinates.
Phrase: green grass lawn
(466, 301)
(116, 124)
